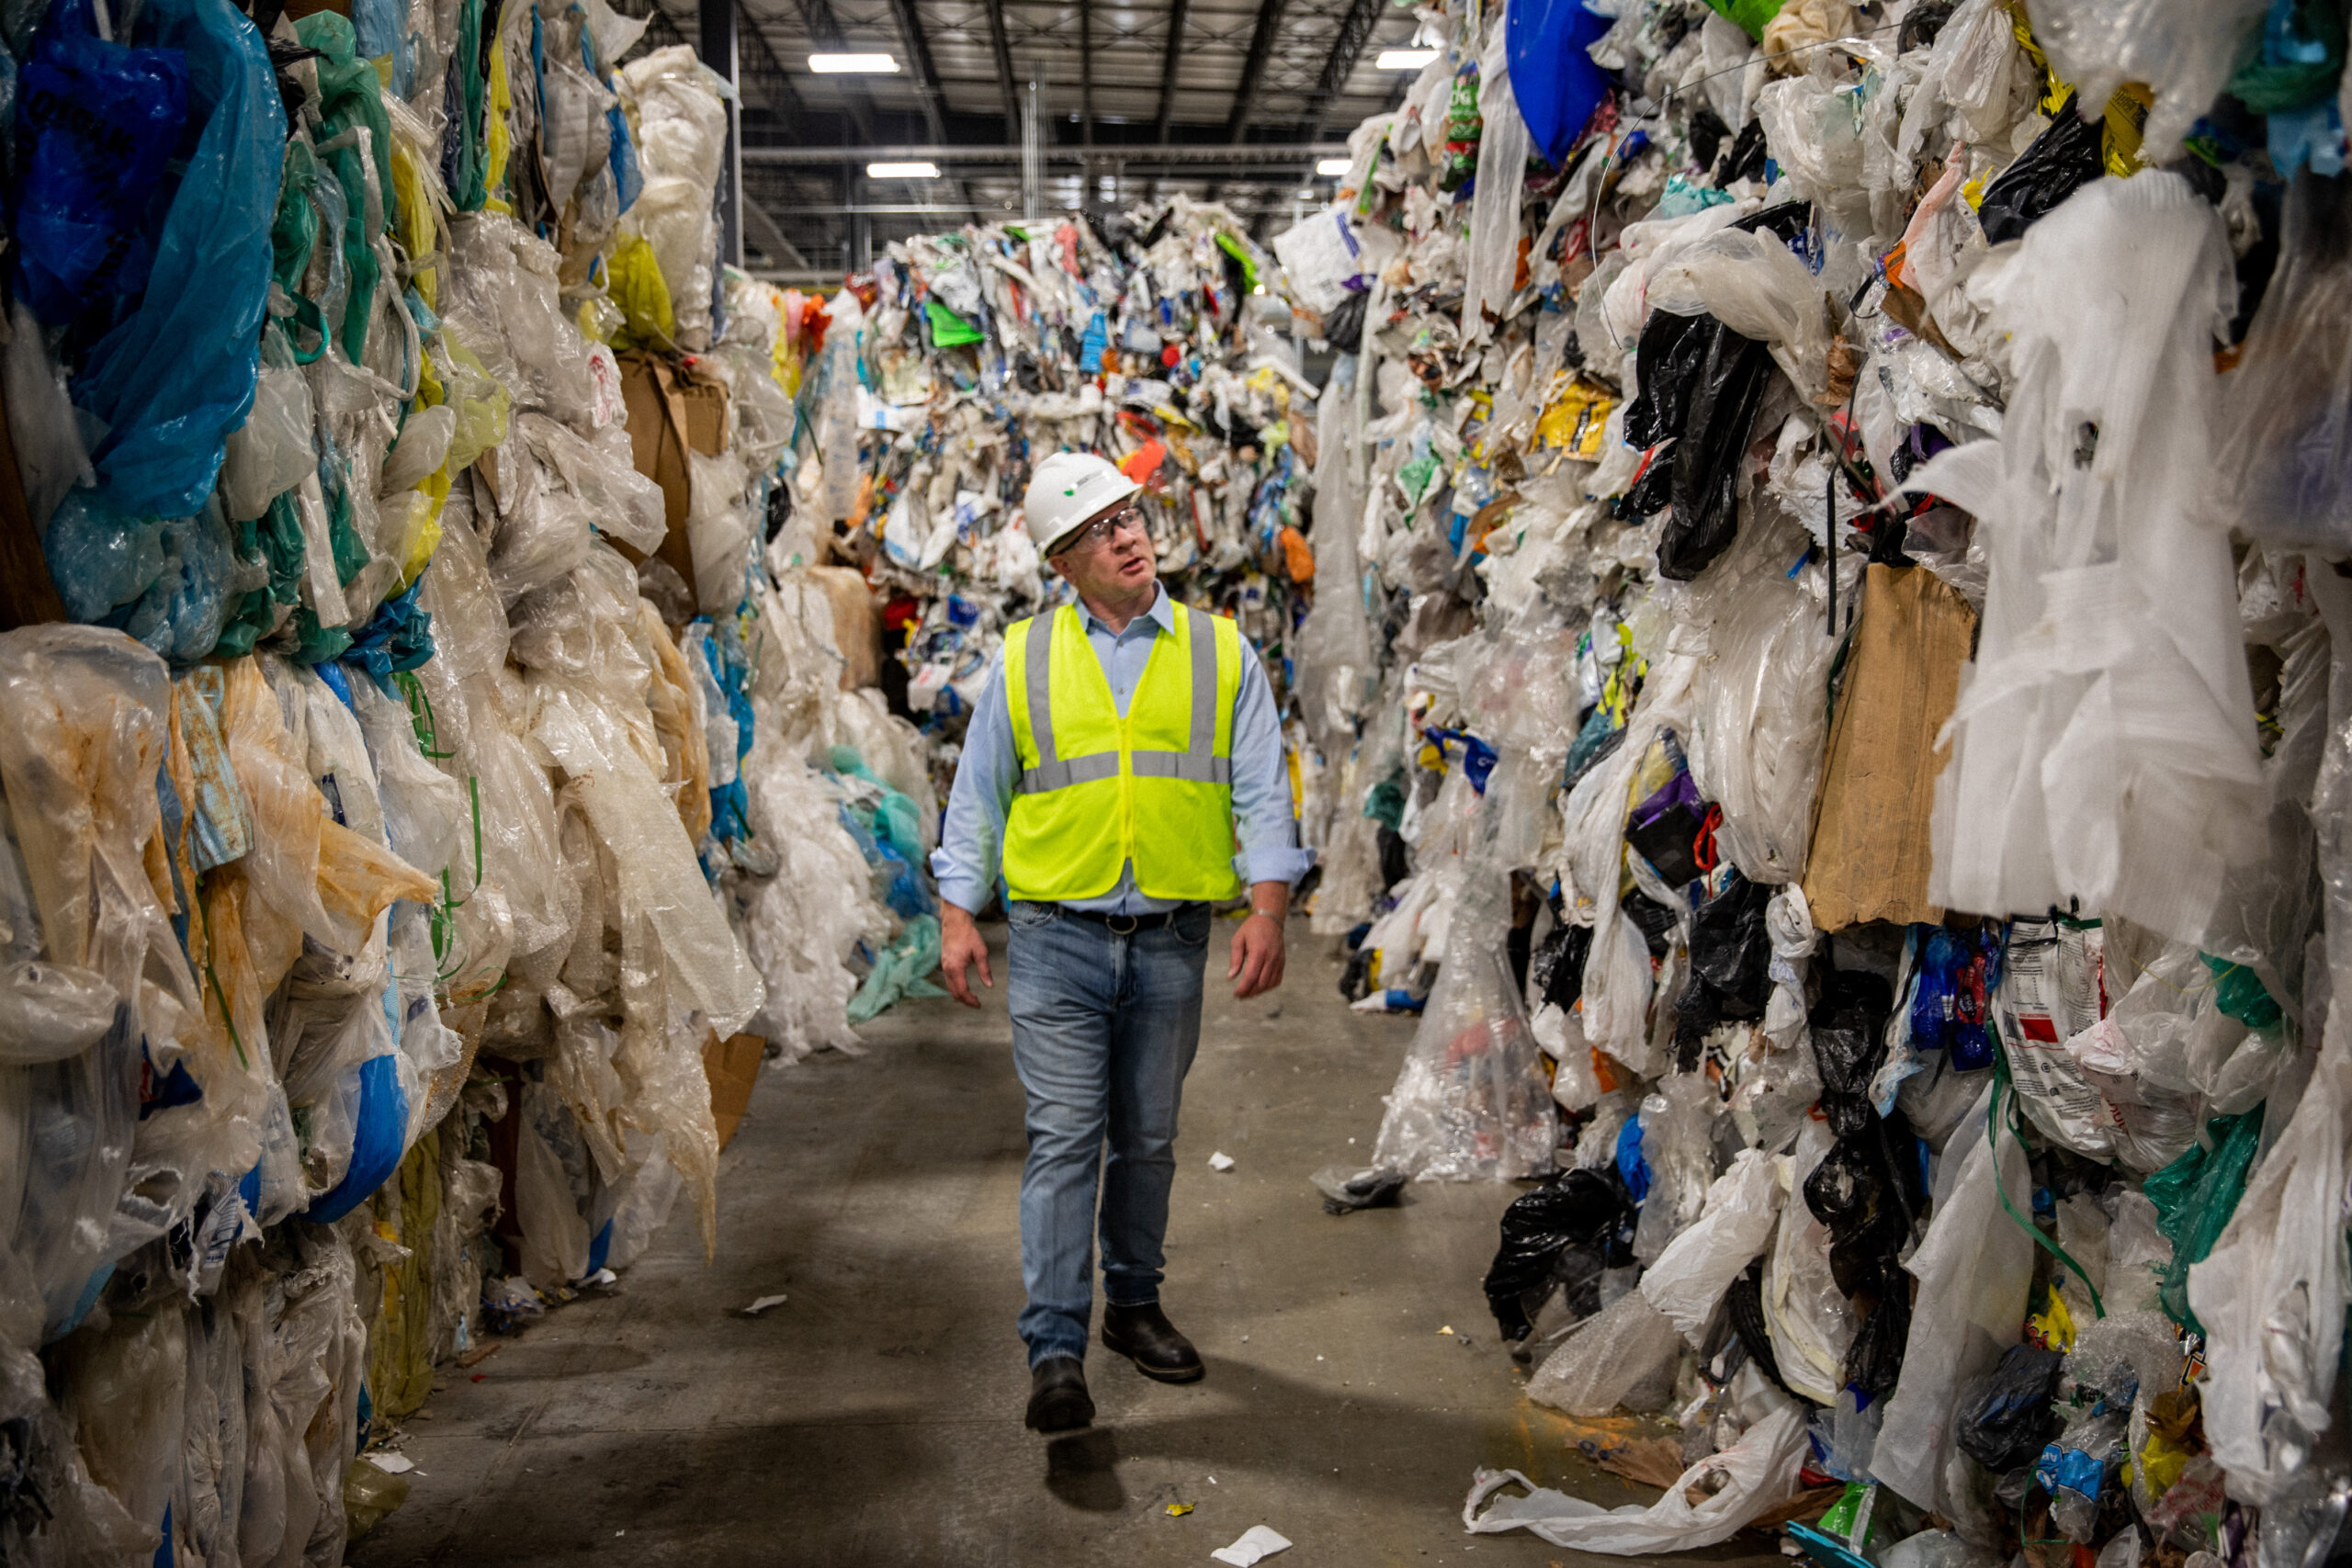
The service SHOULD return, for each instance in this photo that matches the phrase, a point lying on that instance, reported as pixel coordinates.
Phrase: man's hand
(960, 946)
(1257, 957)
(1256, 966)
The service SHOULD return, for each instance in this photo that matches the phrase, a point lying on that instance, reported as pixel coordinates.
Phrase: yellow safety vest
(1097, 790)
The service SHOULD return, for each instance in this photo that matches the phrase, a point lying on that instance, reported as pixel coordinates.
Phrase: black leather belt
(1128, 925)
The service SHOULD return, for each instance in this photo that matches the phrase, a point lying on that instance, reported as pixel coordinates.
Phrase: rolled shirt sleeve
(1264, 817)
(971, 839)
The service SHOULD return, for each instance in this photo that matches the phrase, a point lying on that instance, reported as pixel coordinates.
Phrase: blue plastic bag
(96, 123)
(1554, 81)
(174, 378)
(377, 1143)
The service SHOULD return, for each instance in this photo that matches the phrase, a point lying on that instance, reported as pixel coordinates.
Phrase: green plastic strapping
(2017, 1130)
(421, 716)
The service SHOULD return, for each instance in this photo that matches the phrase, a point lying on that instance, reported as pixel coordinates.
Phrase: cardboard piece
(732, 1064)
(673, 409)
(1871, 839)
(857, 624)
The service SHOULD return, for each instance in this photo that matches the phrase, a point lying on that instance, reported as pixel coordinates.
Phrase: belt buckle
(1122, 925)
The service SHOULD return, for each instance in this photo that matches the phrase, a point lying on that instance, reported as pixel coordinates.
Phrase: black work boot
(1058, 1398)
(1145, 1335)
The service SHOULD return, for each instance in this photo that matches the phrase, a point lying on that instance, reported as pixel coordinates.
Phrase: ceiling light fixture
(1404, 59)
(902, 171)
(1330, 166)
(852, 64)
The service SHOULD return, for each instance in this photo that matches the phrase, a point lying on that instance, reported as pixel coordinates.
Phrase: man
(1117, 744)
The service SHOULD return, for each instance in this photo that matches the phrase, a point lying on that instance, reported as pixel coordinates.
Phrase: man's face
(1112, 557)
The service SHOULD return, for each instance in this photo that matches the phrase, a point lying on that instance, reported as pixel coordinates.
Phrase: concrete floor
(875, 1417)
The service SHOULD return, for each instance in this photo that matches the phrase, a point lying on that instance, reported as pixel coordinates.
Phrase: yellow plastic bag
(634, 282)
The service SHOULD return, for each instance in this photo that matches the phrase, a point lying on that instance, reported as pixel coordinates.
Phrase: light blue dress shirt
(971, 838)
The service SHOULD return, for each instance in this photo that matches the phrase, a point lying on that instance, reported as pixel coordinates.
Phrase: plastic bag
(1735, 1485)
(1503, 139)
(1687, 1281)
(1975, 1268)
(1753, 285)
(1470, 1101)
(719, 529)
(1627, 1354)
(2185, 52)
(1849, 1032)
(1731, 954)
(124, 1390)
(901, 970)
(1577, 1208)
(1702, 384)
(2061, 161)
(2266, 1294)
(173, 379)
(545, 529)
(1758, 743)
(99, 124)
(2031, 810)
(551, 1188)
(2286, 409)
(1807, 1317)
(2007, 1419)
(1553, 78)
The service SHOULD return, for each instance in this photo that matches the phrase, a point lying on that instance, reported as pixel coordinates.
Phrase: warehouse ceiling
(1222, 99)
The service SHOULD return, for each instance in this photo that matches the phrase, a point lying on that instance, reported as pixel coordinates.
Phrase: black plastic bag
(1731, 952)
(2061, 161)
(1744, 1305)
(1669, 356)
(1729, 390)
(1747, 157)
(1874, 1359)
(1652, 918)
(1860, 1194)
(1558, 967)
(1701, 386)
(2006, 1418)
(1343, 324)
(1577, 1208)
(1731, 960)
(1848, 1029)
(1696, 1014)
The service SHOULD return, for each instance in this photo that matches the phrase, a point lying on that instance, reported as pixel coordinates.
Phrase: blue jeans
(1104, 1027)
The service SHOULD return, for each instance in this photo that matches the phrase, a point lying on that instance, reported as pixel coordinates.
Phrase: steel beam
(1176, 11)
(917, 42)
(716, 47)
(1253, 68)
(1347, 48)
(1086, 72)
(1000, 46)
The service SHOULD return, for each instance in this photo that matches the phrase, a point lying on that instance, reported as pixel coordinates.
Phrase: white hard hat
(1067, 489)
